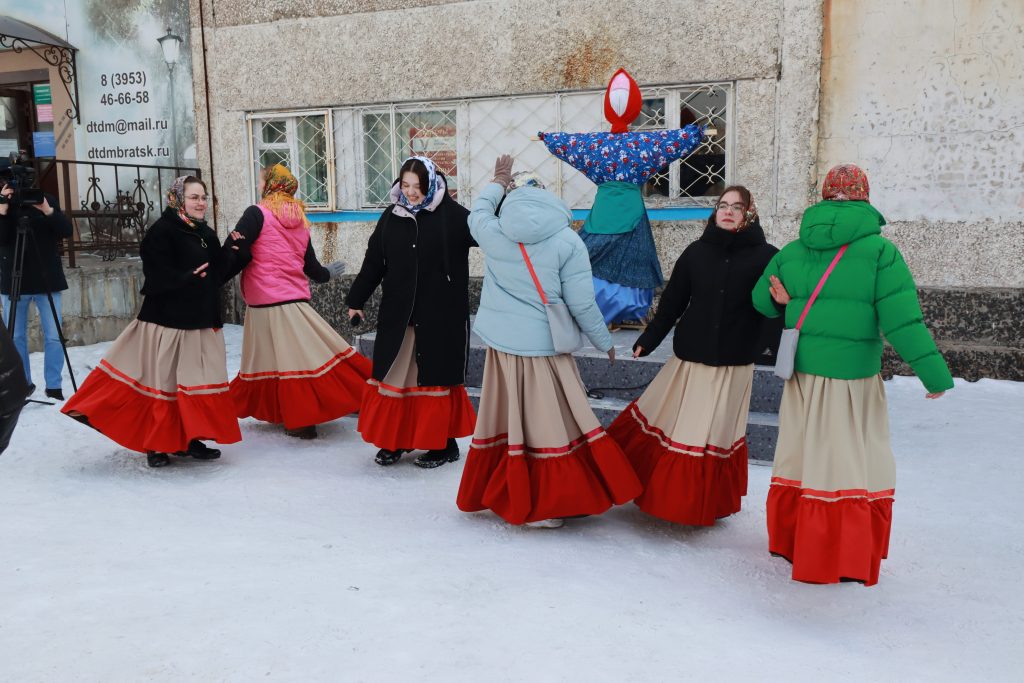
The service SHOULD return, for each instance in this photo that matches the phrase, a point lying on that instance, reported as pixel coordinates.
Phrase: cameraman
(13, 387)
(42, 273)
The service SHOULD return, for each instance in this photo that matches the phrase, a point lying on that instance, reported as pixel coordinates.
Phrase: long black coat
(422, 265)
(13, 385)
(709, 294)
(174, 297)
(43, 242)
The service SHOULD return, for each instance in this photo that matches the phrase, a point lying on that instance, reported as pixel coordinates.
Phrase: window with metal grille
(463, 137)
(301, 143)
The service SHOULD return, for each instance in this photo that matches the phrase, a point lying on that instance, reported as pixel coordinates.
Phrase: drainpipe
(209, 118)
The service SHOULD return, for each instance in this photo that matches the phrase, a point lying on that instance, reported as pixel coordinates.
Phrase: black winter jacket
(174, 297)
(709, 294)
(13, 386)
(43, 271)
(422, 265)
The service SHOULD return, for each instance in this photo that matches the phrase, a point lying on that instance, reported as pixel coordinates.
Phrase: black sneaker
(303, 432)
(154, 459)
(386, 457)
(436, 458)
(57, 394)
(200, 451)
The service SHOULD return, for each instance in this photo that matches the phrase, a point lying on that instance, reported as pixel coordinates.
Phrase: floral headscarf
(279, 192)
(434, 182)
(845, 182)
(176, 201)
(526, 179)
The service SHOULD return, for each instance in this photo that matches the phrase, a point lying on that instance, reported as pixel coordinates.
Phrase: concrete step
(626, 378)
(762, 428)
(613, 387)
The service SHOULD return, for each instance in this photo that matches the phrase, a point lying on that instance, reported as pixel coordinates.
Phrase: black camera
(20, 177)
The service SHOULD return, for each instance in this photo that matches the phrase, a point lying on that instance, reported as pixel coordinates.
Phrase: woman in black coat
(163, 385)
(686, 435)
(419, 254)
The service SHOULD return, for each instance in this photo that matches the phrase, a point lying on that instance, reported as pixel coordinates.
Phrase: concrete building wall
(928, 98)
(326, 53)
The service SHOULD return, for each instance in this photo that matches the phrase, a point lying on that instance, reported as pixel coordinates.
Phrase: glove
(503, 170)
(335, 268)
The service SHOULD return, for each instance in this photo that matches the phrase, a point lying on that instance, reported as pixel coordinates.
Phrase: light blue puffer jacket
(511, 316)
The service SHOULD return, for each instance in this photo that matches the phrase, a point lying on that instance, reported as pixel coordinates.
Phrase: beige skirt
(397, 413)
(834, 479)
(686, 438)
(157, 388)
(538, 450)
(296, 370)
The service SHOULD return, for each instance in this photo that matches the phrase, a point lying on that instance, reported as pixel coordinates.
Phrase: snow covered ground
(305, 561)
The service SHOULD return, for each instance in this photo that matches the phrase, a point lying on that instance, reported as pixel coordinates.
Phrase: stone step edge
(618, 405)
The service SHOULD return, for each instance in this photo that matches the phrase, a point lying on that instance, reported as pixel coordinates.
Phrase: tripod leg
(63, 341)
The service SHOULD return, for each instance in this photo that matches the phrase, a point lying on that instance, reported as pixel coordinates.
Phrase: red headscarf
(845, 182)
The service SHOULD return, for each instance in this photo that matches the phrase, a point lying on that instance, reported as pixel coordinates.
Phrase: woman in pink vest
(296, 370)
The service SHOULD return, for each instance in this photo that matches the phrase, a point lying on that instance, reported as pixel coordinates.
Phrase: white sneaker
(546, 523)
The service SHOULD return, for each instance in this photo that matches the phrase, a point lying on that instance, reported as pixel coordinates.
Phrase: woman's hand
(778, 291)
(236, 237)
(937, 394)
(638, 351)
(352, 312)
(503, 170)
(611, 355)
(201, 270)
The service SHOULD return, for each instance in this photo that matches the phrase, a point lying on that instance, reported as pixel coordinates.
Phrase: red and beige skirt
(830, 501)
(398, 414)
(538, 451)
(158, 388)
(686, 438)
(296, 370)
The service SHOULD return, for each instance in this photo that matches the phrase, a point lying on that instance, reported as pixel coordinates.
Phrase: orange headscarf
(279, 193)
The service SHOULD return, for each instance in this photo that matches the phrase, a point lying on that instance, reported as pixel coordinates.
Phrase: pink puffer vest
(278, 255)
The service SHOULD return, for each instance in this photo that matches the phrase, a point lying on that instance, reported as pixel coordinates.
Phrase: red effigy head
(622, 101)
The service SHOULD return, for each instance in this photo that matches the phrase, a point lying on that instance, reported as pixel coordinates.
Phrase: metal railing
(110, 205)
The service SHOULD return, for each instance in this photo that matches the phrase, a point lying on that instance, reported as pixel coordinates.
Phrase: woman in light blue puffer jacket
(539, 454)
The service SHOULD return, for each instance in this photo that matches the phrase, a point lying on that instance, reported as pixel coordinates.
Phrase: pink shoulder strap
(821, 283)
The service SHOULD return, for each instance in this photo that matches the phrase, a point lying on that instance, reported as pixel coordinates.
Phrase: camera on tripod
(20, 176)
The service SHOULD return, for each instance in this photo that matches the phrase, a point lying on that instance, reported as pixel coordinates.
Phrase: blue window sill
(678, 214)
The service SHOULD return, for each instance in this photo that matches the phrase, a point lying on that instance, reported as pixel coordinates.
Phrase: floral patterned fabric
(846, 182)
(279, 195)
(626, 157)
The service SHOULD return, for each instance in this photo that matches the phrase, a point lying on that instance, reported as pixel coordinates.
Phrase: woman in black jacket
(163, 385)
(686, 435)
(13, 387)
(419, 254)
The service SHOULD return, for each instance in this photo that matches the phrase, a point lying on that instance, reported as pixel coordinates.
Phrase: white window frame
(290, 118)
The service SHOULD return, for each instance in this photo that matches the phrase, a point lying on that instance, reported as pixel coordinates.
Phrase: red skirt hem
(133, 416)
(828, 540)
(587, 480)
(693, 485)
(303, 399)
(415, 421)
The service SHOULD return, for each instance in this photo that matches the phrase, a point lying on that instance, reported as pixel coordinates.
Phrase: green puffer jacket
(870, 290)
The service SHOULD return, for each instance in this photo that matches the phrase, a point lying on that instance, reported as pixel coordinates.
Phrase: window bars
(354, 166)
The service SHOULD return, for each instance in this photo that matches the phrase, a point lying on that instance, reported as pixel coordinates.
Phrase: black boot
(200, 451)
(154, 459)
(303, 432)
(57, 394)
(386, 457)
(436, 458)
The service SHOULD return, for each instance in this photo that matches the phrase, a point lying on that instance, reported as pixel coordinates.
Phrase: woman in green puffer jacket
(833, 481)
